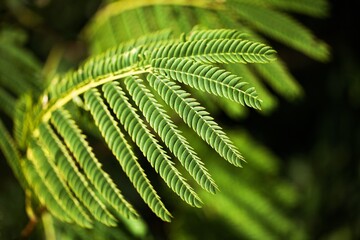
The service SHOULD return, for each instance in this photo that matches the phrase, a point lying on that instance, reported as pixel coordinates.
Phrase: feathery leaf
(167, 130)
(77, 144)
(57, 187)
(62, 159)
(196, 117)
(207, 78)
(217, 51)
(158, 158)
(42, 192)
(121, 149)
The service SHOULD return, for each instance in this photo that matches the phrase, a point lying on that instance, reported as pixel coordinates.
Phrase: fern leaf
(275, 73)
(43, 193)
(207, 78)
(166, 129)
(269, 102)
(121, 149)
(196, 117)
(113, 62)
(218, 51)
(22, 120)
(216, 34)
(77, 144)
(76, 180)
(284, 29)
(58, 188)
(147, 143)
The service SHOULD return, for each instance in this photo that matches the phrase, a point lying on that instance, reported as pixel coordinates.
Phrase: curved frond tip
(209, 79)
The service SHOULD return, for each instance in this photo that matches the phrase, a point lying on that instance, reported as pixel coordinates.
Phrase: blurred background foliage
(303, 173)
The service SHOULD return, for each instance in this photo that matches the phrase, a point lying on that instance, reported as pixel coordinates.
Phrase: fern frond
(42, 192)
(166, 129)
(196, 117)
(283, 28)
(207, 78)
(57, 187)
(127, 59)
(78, 183)
(216, 34)
(79, 147)
(218, 51)
(158, 158)
(113, 62)
(22, 119)
(122, 150)
(269, 102)
(274, 73)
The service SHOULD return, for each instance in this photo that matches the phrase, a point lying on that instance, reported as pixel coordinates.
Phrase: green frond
(158, 158)
(22, 119)
(7, 102)
(56, 186)
(123, 152)
(128, 59)
(78, 183)
(11, 154)
(207, 78)
(80, 148)
(196, 117)
(113, 62)
(283, 28)
(269, 102)
(43, 193)
(274, 73)
(216, 34)
(169, 133)
(217, 51)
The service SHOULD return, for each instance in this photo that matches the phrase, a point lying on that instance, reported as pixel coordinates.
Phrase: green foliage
(67, 155)
(137, 82)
